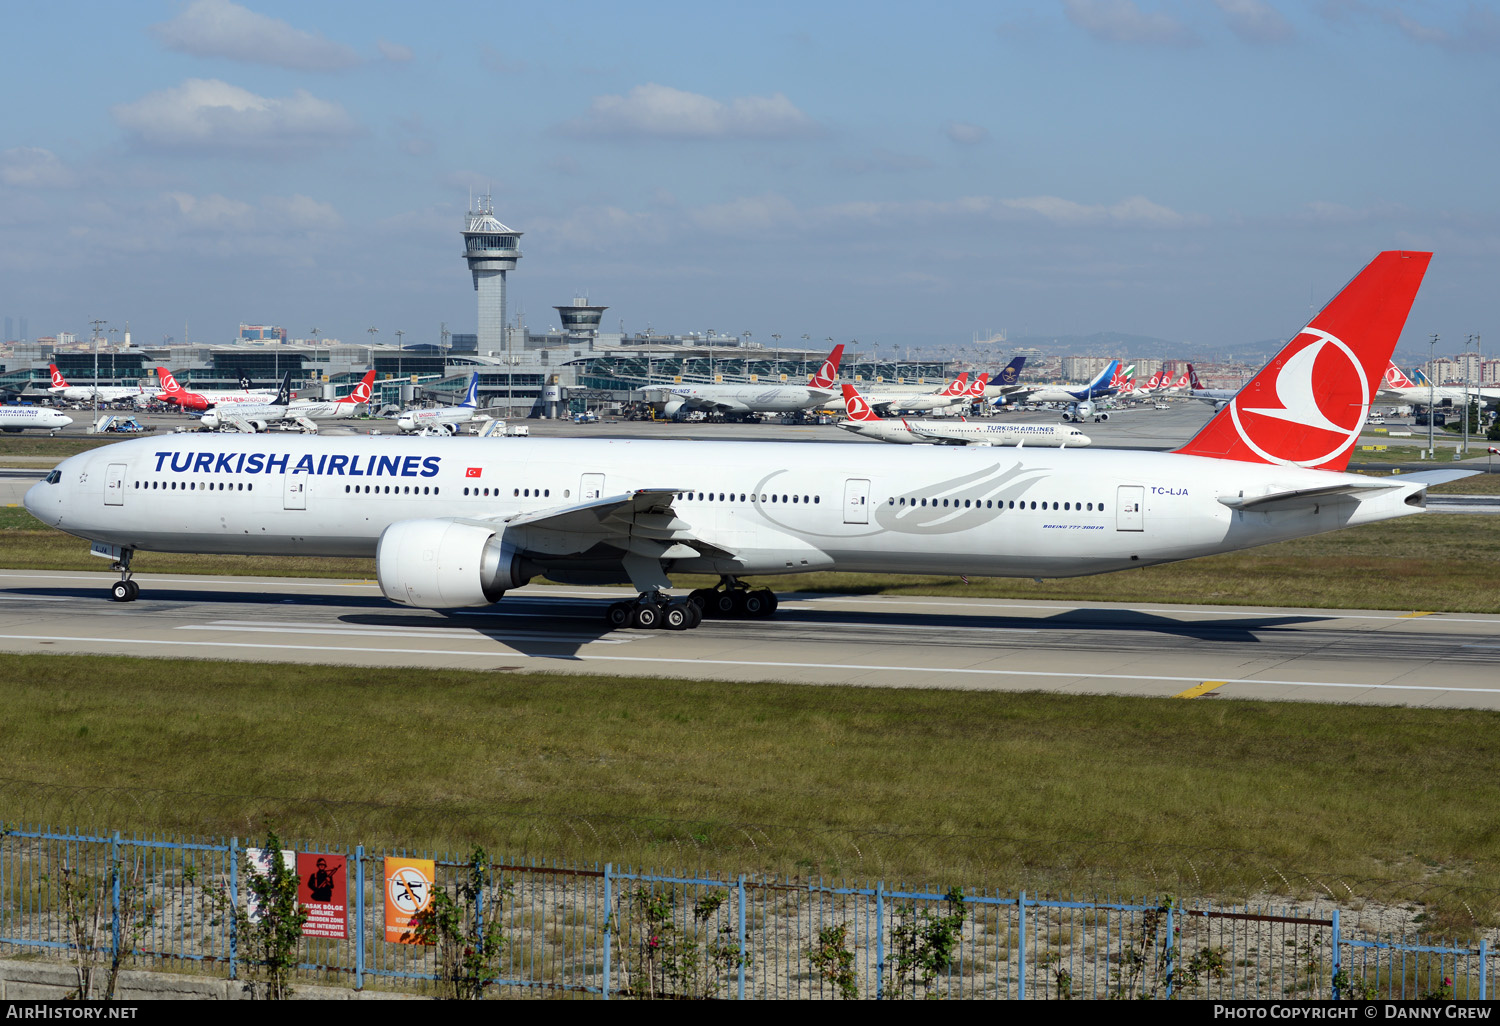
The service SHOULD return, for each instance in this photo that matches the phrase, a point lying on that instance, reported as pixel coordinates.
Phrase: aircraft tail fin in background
(1193, 382)
(1011, 373)
(471, 396)
(1396, 379)
(363, 390)
(828, 374)
(58, 381)
(856, 407)
(169, 384)
(1306, 407)
(976, 390)
(284, 393)
(956, 386)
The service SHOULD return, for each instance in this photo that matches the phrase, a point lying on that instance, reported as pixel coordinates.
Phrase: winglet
(1307, 406)
(856, 407)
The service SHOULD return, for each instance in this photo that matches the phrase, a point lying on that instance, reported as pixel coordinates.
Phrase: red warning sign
(323, 888)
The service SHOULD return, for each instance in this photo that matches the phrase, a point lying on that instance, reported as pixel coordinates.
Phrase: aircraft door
(294, 491)
(857, 501)
(1130, 508)
(591, 487)
(114, 485)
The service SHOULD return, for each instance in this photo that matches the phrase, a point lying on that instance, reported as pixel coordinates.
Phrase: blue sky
(1196, 170)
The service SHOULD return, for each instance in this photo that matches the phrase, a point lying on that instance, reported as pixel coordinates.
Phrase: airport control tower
(491, 249)
(580, 320)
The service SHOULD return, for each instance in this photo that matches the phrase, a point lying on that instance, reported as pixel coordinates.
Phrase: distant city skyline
(1204, 172)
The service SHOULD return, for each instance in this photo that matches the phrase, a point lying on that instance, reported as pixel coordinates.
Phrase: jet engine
(444, 564)
(672, 406)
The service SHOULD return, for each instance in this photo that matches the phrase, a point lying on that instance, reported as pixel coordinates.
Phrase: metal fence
(611, 932)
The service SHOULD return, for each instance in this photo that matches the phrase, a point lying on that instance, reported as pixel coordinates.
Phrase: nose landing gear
(124, 590)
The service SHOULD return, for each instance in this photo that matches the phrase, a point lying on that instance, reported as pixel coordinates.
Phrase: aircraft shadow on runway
(559, 627)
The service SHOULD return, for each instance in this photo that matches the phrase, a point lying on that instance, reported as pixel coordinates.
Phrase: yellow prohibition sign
(408, 890)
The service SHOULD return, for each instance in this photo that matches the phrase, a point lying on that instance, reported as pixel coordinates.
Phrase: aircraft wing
(932, 437)
(641, 522)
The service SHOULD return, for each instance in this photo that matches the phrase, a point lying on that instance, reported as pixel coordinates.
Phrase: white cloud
(276, 215)
(210, 114)
(394, 52)
(218, 28)
(658, 111)
(965, 134)
(1123, 21)
(752, 214)
(1255, 21)
(27, 167)
(1136, 210)
(1478, 31)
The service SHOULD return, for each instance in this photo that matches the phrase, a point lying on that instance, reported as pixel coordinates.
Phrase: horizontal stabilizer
(1300, 498)
(1437, 477)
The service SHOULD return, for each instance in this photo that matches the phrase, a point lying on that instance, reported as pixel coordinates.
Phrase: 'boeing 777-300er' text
(457, 522)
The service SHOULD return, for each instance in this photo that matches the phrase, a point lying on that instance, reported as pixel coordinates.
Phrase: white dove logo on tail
(1300, 405)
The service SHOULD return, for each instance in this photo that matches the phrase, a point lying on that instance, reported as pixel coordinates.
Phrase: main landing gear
(124, 590)
(651, 610)
(731, 600)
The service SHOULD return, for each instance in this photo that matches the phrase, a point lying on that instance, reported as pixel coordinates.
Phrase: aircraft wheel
(618, 615)
(771, 602)
(135, 590)
(753, 605)
(695, 615)
(646, 616)
(676, 618)
(121, 591)
(725, 605)
(701, 598)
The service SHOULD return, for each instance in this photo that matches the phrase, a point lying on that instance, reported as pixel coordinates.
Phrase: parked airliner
(863, 421)
(85, 393)
(458, 522)
(740, 400)
(18, 418)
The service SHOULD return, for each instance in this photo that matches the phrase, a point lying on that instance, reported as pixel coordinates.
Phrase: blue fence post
(744, 953)
(114, 914)
(1333, 983)
(879, 941)
(1484, 967)
(1021, 907)
(1171, 948)
(609, 923)
(359, 917)
(234, 906)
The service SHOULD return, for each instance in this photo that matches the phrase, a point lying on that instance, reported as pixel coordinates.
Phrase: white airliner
(864, 422)
(19, 418)
(443, 419)
(85, 393)
(958, 392)
(459, 522)
(250, 418)
(1218, 398)
(738, 400)
(1397, 387)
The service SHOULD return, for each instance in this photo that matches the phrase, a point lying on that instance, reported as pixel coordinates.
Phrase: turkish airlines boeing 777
(456, 522)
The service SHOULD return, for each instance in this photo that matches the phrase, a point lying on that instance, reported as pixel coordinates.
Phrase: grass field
(1052, 793)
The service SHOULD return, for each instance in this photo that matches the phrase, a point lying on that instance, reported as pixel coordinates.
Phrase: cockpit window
(54, 477)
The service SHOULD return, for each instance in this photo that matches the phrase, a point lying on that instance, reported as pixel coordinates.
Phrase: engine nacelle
(672, 407)
(443, 564)
(1101, 416)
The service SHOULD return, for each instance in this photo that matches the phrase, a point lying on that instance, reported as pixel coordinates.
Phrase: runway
(1197, 653)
